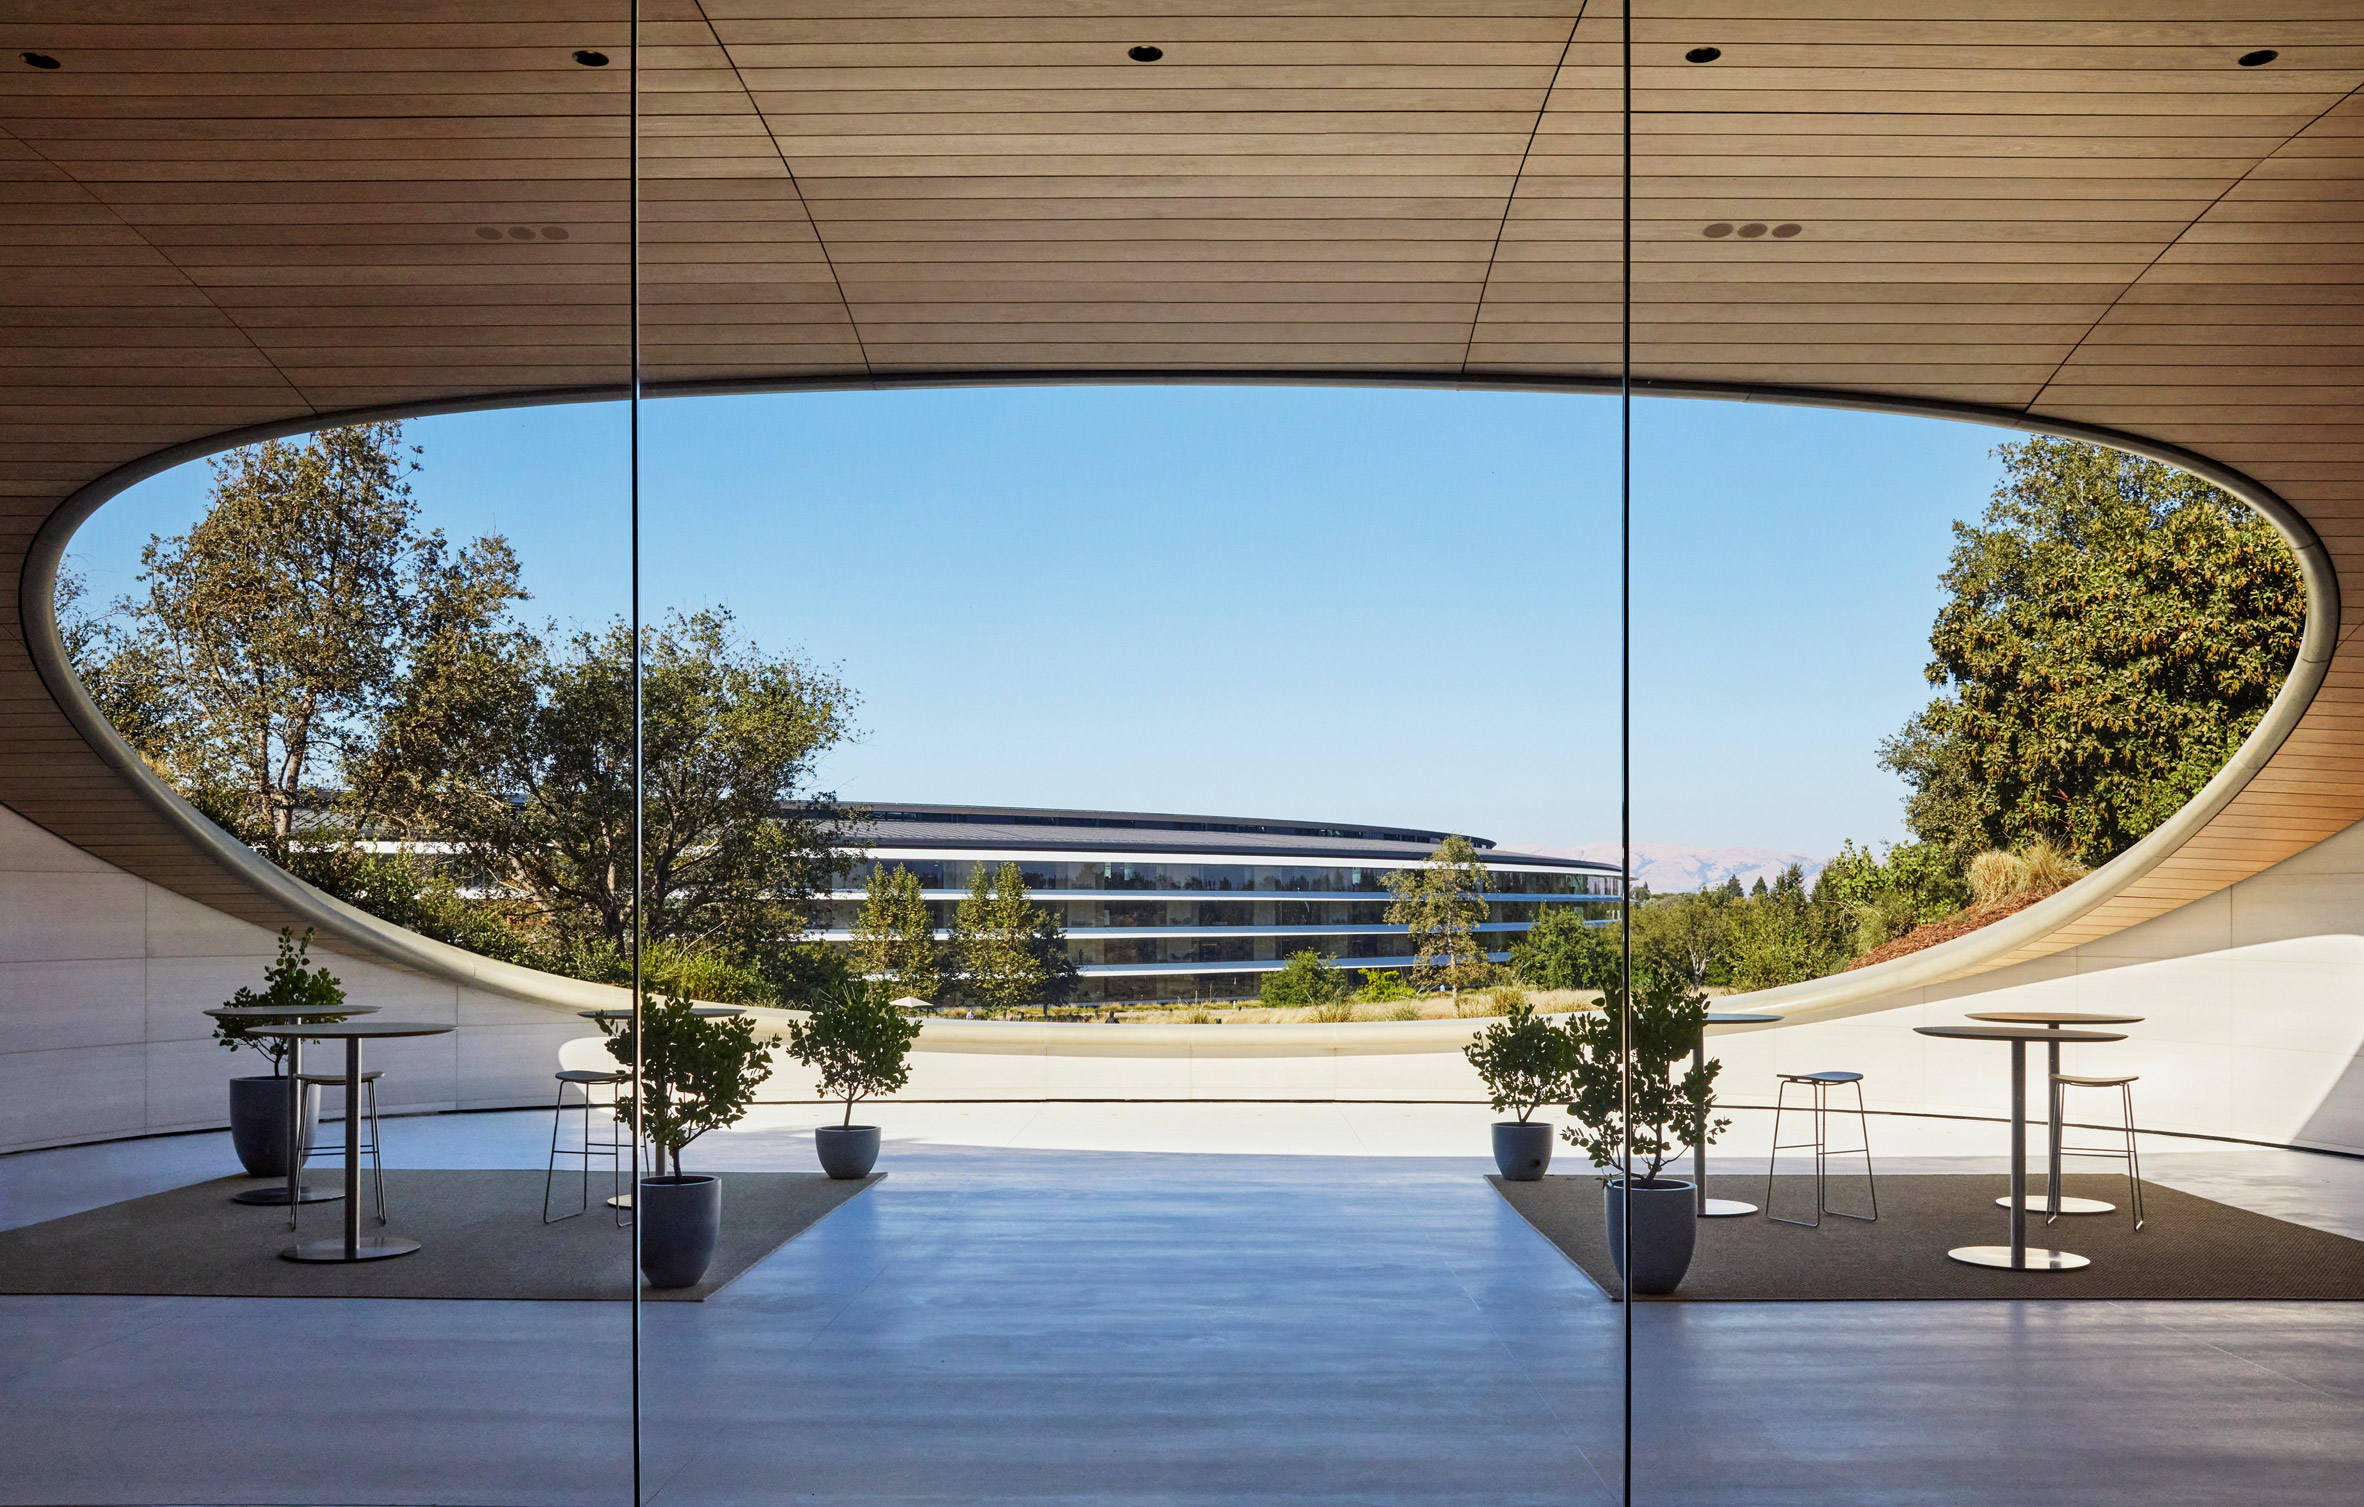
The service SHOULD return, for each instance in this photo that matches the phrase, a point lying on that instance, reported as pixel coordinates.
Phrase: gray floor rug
(481, 1236)
(2188, 1247)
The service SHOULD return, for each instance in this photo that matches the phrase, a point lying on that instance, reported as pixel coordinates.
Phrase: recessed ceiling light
(40, 60)
(2257, 59)
(1718, 230)
(1786, 231)
(554, 232)
(1703, 54)
(1146, 54)
(590, 59)
(1751, 232)
(521, 232)
(488, 232)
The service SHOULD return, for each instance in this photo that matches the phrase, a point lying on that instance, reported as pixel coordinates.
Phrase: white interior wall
(103, 977)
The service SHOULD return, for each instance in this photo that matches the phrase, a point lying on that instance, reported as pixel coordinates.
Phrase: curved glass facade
(1201, 921)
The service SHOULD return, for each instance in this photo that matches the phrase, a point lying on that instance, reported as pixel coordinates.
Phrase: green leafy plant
(1563, 950)
(858, 1042)
(290, 982)
(1385, 986)
(1669, 1112)
(1524, 1060)
(699, 1073)
(1309, 980)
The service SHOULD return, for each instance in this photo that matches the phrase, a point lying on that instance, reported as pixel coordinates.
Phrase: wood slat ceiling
(228, 212)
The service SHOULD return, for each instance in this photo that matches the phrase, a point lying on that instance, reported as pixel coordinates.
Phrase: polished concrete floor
(1001, 1321)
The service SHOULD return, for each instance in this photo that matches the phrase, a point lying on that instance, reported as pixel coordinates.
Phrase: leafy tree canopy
(1308, 979)
(1564, 951)
(2114, 629)
(1440, 905)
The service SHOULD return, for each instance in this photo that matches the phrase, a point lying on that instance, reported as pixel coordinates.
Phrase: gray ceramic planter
(847, 1150)
(1522, 1151)
(258, 1123)
(1665, 1227)
(680, 1224)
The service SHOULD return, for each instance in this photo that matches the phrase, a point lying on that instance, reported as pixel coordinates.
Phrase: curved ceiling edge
(1814, 999)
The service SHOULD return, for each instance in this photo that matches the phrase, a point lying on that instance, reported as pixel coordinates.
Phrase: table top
(2055, 1018)
(2016, 1033)
(355, 1030)
(1740, 1019)
(703, 1012)
(281, 1012)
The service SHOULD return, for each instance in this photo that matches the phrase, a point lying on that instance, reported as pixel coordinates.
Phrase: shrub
(1309, 980)
(1500, 1000)
(1668, 1112)
(1384, 986)
(1405, 1011)
(1995, 875)
(1333, 1011)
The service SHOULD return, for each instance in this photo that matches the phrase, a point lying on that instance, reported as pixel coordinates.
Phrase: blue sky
(1337, 604)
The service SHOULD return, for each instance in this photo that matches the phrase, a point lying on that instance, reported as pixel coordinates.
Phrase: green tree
(531, 778)
(700, 1074)
(994, 935)
(859, 1042)
(1562, 950)
(1782, 936)
(1686, 934)
(1524, 1061)
(1384, 986)
(1440, 905)
(1668, 1110)
(2114, 629)
(1308, 980)
(290, 983)
(257, 666)
(895, 937)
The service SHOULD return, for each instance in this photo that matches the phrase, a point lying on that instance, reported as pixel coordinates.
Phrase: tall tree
(993, 933)
(256, 667)
(532, 778)
(1685, 934)
(895, 938)
(1564, 951)
(1440, 905)
(2115, 628)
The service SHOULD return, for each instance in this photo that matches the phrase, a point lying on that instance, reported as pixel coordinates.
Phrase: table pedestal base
(2035, 1203)
(1725, 1208)
(2000, 1255)
(370, 1248)
(276, 1196)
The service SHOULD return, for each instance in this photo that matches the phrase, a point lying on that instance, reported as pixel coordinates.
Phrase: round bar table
(1717, 1208)
(295, 1192)
(351, 1247)
(2016, 1256)
(2054, 1203)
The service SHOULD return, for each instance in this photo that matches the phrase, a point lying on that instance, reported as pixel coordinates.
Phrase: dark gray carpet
(481, 1236)
(2188, 1247)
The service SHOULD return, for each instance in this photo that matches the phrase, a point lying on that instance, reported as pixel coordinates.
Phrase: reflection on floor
(1112, 1303)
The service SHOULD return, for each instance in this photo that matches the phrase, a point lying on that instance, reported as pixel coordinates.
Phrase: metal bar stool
(584, 1080)
(1819, 1086)
(369, 1089)
(2131, 1155)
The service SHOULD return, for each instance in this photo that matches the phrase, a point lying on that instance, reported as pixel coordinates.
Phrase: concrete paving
(1081, 1324)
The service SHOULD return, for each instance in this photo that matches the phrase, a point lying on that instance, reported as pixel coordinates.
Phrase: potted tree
(858, 1041)
(1667, 1113)
(1523, 1059)
(696, 1074)
(259, 1114)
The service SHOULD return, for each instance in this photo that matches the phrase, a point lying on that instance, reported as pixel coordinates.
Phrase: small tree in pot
(697, 1074)
(260, 1112)
(1524, 1061)
(1668, 1112)
(858, 1041)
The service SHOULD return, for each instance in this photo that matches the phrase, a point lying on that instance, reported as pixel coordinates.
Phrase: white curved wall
(103, 976)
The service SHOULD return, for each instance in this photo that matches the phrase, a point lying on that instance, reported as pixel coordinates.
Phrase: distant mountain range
(1671, 867)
